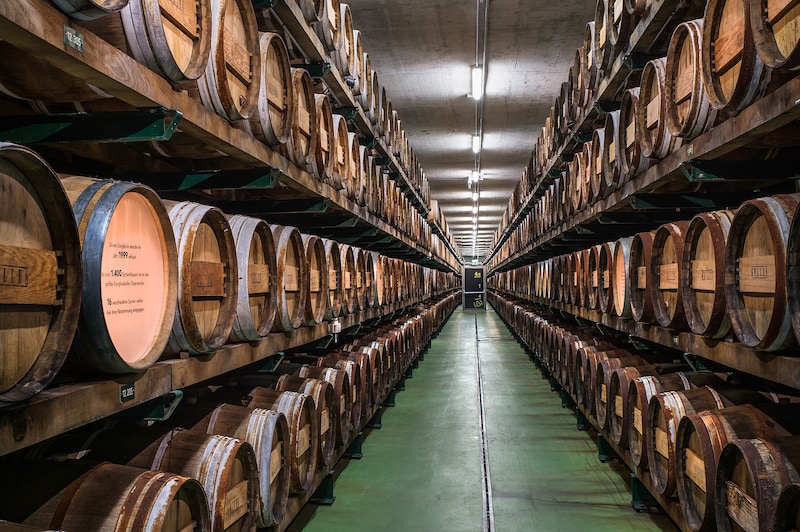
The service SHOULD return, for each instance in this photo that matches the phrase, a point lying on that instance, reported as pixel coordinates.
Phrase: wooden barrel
(639, 264)
(654, 136)
(326, 407)
(590, 359)
(348, 278)
(356, 79)
(357, 385)
(583, 277)
(369, 375)
(751, 473)
(699, 443)
(316, 280)
(360, 279)
(688, 110)
(226, 467)
(128, 497)
(365, 96)
(612, 152)
(302, 142)
(84, 10)
(335, 282)
(129, 260)
(292, 271)
(373, 289)
(589, 76)
(345, 50)
(268, 433)
(341, 153)
(597, 177)
(275, 109)
(620, 278)
(734, 76)
(703, 284)
(605, 275)
(787, 509)
(208, 287)
(664, 413)
(605, 401)
(775, 33)
(755, 272)
(632, 160)
(257, 301)
(329, 26)
(793, 273)
(230, 85)
(665, 275)
(354, 183)
(321, 161)
(619, 22)
(301, 416)
(312, 10)
(604, 51)
(341, 388)
(620, 409)
(366, 167)
(172, 39)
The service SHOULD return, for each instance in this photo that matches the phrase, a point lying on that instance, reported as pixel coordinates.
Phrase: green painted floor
(422, 470)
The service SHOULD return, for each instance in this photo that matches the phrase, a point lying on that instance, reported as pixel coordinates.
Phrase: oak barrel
(302, 142)
(619, 409)
(348, 256)
(208, 286)
(787, 509)
(292, 271)
(639, 265)
(605, 401)
(340, 153)
(345, 50)
(597, 176)
(341, 388)
(665, 275)
(326, 405)
(316, 280)
(257, 299)
(321, 160)
(654, 136)
(774, 24)
(274, 113)
(130, 271)
(793, 273)
(357, 384)
(632, 160)
(84, 10)
(605, 277)
(613, 152)
(335, 285)
(589, 75)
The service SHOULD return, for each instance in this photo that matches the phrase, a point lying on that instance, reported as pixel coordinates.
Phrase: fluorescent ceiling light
(476, 143)
(477, 82)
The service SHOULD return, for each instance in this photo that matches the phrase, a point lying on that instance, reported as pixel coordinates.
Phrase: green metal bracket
(156, 410)
(382, 161)
(352, 331)
(324, 493)
(554, 386)
(638, 344)
(605, 330)
(317, 69)
(553, 173)
(641, 499)
(545, 373)
(150, 123)
(566, 400)
(347, 112)
(394, 176)
(581, 422)
(324, 344)
(694, 362)
(263, 4)
(647, 202)
(693, 174)
(400, 386)
(637, 60)
(696, 171)
(582, 138)
(605, 452)
(272, 362)
(603, 107)
(377, 420)
(354, 450)
(409, 373)
(368, 142)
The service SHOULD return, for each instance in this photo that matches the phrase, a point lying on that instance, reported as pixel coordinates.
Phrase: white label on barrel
(612, 151)
(291, 278)
(583, 374)
(325, 423)
(333, 283)
(603, 393)
(741, 507)
(653, 112)
(257, 279)
(630, 134)
(133, 277)
(776, 9)
(757, 274)
(606, 279)
(594, 279)
(275, 461)
(704, 275)
(618, 406)
(183, 16)
(314, 281)
(348, 284)
(303, 440)
(662, 442)
(695, 469)
(641, 277)
(235, 504)
(637, 420)
(668, 276)
(237, 56)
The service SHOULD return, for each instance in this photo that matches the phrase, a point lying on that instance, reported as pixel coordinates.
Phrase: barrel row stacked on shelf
(714, 67)
(254, 445)
(730, 455)
(234, 59)
(722, 272)
(192, 278)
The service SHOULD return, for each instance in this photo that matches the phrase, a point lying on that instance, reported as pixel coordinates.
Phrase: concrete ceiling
(423, 51)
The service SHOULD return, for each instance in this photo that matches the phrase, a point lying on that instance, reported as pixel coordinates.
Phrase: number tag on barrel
(641, 277)
(323, 140)
(28, 276)
(237, 57)
(668, 276)
(662, 442)
(275, 462)
(606, 277)
(741, 507)
(342, 405)
(703, 275)
(257, 279)
(235, 503)
(594, 279)
(340, 153)
(325, 423)
(618, 406)
(637, 420)
(757, 275)
(359, 280)
(208, 279)
(291, 279)
(314, 281)
(303, 440)
(696, 469)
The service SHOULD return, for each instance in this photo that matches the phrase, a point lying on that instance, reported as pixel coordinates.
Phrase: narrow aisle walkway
(422, 470)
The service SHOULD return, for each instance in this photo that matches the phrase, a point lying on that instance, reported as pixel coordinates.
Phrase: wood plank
(695, 469)
(28, 276)
(729, 46)
(325, 424)
(618, 406)
(630, 134)
(704, 275)
(257, 279)
(641, 277)
(237, 57)
(777, 9)
(757, 275)
(637, 420)
(314, 282)
(653, 112)
(236, 503)
(291, 278)
(303, 439)
(668, 276)
(207, 279)
(275, 462)
(662, 442)
(684, 86)
(741, 507)
(182, 13)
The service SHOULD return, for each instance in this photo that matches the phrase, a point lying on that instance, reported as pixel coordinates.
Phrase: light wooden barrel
(612, 151)
(354, 182)
(699, 443)
(619, 410)
(654, 136)
(226, 467)
(620, 278)
(335, 285)
(597, 178)
(268, 433)
(605, 401)
(230, 85)
(172, 39)
(688, 110)
(84, 10)
(343, 56)
(639, 263)
(357, 385)
(326, 407)
(302, 142)
(128, 497)
(370, 374)
(258, 278)
(340, 153)
(348, 278)
(329, 26)
(366, 168)
(41, 272)
(366, 98)
(301, 416)
(787, 509)
(734, 76)
(373, 287)
(774, 24)
(751, 473)
(664, 275)
(605, 275)
(312, 10)
(755, 272)
(292, 271)
(322, 159)
(130, 271)
(590, 359)
(619, 22)
(604, 51)
(386, 280)
(208, 286)
(341, 388)
(583, 278)
(356, 78)
(317, 284)
(360, 279)
(589, 76)
(274, 115)
(632, 160)
(664, 413)
(702, 279)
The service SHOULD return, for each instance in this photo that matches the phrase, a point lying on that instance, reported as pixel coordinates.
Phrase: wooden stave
(661, 142)
(341, 386)
(777, 212)
(343, 55)
(321, 163)
(356, 78)
(366, 97)
(640, 256)
(245, 328)
(668, 316)
(718, 225)
(632, 159)
(261, 124)
(289, 315)
(254, 426)
(603, 49)
(312, 10)
(94, 202)
(619, 27)
(589, 74)
(300, 411)
(768, 49)
(186, 332)
(315, 307)
(793, 272)
(209, 459)
(354, 182)
(323, 395)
